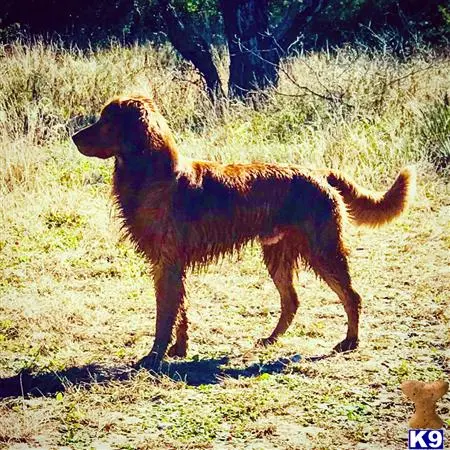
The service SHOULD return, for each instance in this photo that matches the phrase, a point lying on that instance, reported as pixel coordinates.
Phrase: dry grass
(77, 308)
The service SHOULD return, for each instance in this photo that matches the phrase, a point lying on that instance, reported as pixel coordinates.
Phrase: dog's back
(215, 209)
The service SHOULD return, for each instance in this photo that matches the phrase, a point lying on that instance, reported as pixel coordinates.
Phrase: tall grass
(365, 111)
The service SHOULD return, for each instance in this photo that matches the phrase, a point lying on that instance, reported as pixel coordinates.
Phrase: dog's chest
(146, 215)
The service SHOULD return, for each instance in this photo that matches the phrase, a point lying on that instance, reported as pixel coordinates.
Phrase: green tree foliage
(340, 21)
(81, 20)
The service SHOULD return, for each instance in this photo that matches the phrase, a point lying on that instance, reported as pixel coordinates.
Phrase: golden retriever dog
(182, 213)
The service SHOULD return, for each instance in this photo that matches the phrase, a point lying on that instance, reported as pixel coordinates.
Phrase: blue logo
(426, 439)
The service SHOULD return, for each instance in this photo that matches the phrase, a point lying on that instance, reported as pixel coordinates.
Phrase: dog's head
(127, 127)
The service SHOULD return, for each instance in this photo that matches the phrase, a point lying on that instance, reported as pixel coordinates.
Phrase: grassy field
(77, 307)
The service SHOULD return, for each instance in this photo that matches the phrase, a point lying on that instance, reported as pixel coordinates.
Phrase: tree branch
(330, 97)
(297, 16)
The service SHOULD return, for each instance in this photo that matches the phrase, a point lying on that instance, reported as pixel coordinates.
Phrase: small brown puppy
(182, 213)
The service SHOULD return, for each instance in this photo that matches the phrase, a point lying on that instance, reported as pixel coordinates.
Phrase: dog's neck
(135, 171)
(154, 164)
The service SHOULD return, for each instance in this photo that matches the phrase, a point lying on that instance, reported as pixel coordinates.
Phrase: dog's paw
(177, 350)
(152, 362)
(347, 345)
(265, 342)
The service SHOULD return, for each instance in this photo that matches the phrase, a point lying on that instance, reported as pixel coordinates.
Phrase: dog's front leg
(179, 348)
(169, 292)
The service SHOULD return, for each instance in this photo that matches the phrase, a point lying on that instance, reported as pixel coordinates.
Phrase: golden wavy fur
(183, 213)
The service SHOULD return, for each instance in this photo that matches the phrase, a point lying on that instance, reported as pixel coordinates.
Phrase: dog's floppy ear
(145, 134)
(143, 128)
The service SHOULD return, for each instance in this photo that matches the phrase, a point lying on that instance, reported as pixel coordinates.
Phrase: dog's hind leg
(179, 348)
(333, 268)
(170, 292)
(282, 268)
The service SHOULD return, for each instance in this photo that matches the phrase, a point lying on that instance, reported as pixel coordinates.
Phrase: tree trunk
(254, 56)
(255, 50)
(192, 47)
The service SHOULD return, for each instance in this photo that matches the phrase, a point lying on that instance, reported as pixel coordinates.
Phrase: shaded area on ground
(193, 373)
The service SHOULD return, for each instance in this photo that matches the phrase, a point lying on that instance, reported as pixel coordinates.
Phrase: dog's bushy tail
(374, 209)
